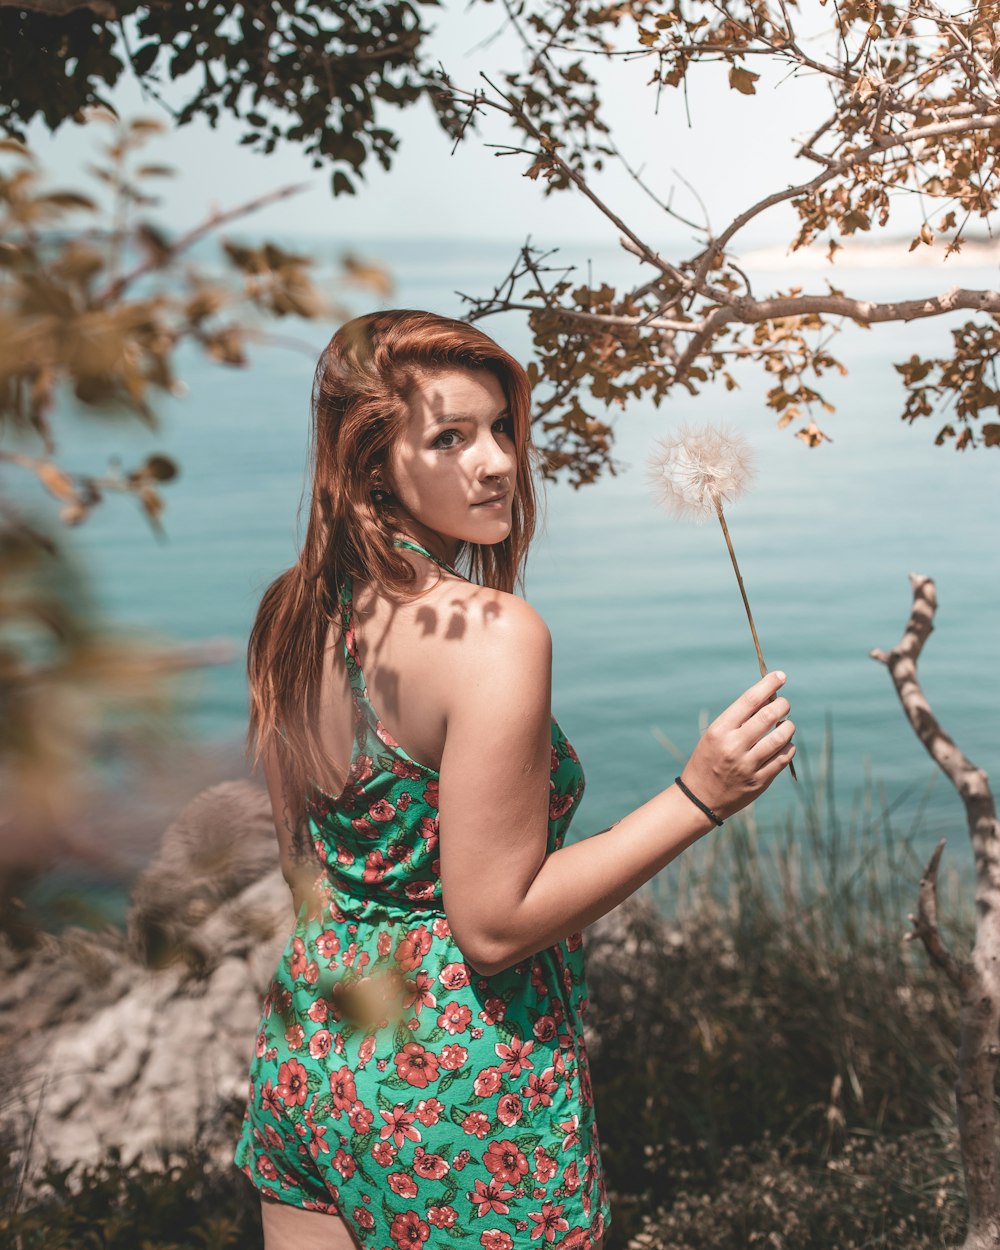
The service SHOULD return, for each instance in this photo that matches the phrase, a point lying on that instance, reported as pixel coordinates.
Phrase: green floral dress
(390, 1082)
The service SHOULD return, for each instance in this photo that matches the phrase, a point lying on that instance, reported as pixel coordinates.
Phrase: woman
(420, 1073)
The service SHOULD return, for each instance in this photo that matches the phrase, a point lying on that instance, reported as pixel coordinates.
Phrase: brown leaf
(56, 481)
(743, 80)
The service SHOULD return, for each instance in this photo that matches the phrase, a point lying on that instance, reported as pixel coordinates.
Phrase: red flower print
(360, 1118)
(454, 976)
(559, 805)
(404, 801)
(441, 928)
(571, 1128)
(514, 1058)
(266, 1168)
(376, 866)
(491, 1197)
(402, 1184)
(427, 828)
(545, 1166)
(541, 1088)
(292, 1087)
(319, 1011)
(382, 810)
(431, 797)
(553, 760)
(384, 944)
(261, 1044)
(327, 944)
(509, 1109)
(364, 827)
(311, 973)
(430, 1167)
(442, 1217)
(320, 1043)
(571, 1178)
(544, 1028)
(506, 1162)
(270, 1100)
(487, 1082)
(383, 1153)
(453, 1056)
(362, 770)
(413, 947)
(409, 1229)
(316, 1143)
(428, 1111)
(297, 963)
(419, 891)
(365, 1051)
(274, 1138)
(494, 1239)
(476, 1124)
(416, 1065)
(406, 770)
(343, 1089)
(455, 1018)
(364, 1219)
(344, 1164)
(574, 941)
(418, 993)
(399, 1124)
(548, 1222)
(494, 1010)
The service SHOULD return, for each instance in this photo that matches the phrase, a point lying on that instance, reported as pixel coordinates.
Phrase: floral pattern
(390, 1082)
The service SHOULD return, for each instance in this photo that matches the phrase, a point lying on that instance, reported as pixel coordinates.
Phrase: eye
(446, 439)
(504, 425)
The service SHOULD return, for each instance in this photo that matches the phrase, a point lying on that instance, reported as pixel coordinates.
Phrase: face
(453, 468)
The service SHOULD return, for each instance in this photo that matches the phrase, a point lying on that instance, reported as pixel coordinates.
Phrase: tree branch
(978, 978)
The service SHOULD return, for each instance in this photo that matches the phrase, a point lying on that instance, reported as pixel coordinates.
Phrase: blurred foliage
(316, 75)
(772, 1063)
(912, 114)
(92, 317)
(185, 1202)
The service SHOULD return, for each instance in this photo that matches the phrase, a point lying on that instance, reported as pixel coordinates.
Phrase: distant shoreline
(892, 253)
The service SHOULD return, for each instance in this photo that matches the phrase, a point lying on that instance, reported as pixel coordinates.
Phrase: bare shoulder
(493, 622)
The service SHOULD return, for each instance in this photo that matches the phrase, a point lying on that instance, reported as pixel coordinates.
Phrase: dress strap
(412, 546)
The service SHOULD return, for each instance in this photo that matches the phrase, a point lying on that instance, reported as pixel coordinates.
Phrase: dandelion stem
(746, 602)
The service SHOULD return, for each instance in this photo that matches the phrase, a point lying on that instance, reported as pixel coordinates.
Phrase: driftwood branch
(978, 977)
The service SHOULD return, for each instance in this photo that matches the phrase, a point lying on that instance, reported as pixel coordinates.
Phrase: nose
(496, 460)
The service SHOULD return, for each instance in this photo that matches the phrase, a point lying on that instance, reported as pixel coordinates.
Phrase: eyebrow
(465, 420)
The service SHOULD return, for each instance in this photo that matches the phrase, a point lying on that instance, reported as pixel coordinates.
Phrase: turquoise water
(649, 631)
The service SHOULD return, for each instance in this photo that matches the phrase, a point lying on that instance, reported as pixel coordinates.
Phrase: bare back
(407, 649)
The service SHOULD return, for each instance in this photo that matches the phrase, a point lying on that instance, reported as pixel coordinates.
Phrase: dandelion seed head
(690, 469)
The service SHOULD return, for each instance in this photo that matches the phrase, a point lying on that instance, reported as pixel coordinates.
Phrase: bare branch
(116, 288)
(925, 923)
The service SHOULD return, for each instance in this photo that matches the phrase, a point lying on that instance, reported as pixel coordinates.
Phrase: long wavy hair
(359, 408)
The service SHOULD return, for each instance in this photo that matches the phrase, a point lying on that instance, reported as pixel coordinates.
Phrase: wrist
(698, 802)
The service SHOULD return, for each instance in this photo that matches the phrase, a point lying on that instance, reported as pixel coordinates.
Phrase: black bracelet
(698, 803)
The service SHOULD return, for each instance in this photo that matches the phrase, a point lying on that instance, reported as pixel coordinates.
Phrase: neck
(444, 548)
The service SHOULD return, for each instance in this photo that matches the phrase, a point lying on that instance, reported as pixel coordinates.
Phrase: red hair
(359, 407)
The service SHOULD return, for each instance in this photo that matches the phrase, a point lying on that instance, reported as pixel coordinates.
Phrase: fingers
(780, 760)
(765, 719)
(771, 745)
(752, 700)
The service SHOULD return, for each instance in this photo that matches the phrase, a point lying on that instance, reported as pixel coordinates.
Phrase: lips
(492, 499)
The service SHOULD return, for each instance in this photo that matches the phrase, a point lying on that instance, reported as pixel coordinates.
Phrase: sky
(729, 149)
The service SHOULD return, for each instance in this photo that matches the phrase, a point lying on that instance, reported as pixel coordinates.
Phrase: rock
(143, 1041)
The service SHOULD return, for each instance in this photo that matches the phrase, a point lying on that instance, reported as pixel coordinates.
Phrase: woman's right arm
(504, 896)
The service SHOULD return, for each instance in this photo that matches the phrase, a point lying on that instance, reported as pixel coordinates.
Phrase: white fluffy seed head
(691, 469)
